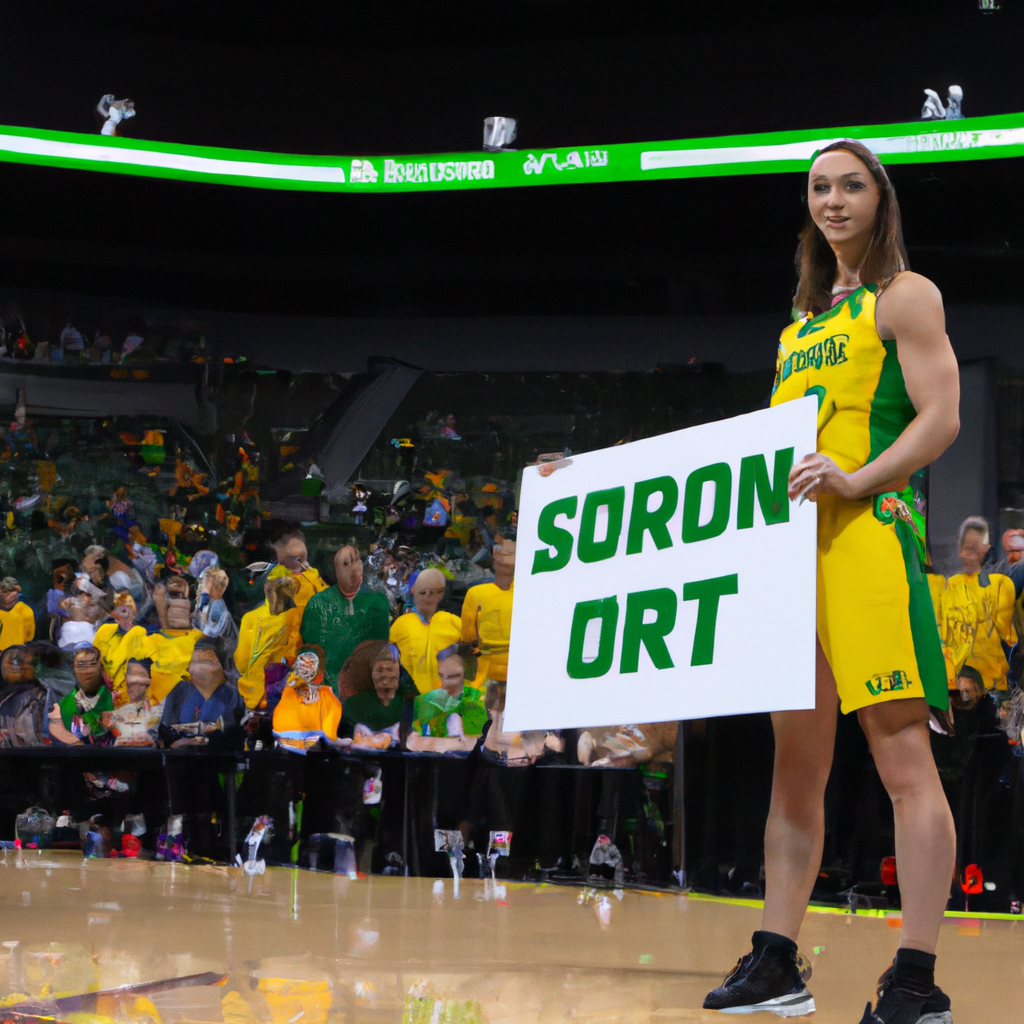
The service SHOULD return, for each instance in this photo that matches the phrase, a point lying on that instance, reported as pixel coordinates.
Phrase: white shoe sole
(946, 1017)
(799, 1005)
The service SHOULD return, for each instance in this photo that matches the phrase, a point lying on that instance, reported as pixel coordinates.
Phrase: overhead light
(112, 112)
(933, 110)
(499, 132)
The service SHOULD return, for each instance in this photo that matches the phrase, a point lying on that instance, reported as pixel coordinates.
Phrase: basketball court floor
(299, 947)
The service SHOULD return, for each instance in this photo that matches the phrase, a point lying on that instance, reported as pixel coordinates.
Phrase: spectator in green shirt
(78, 718)
(453, 716)
(375, 692)
(342, 617)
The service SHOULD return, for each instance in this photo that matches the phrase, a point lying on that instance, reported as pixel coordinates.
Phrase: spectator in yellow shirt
(487, 615)
(290, 548)
(17, 620)
(120, 640)
(422, 633)
(171, 648)
(268, 634)
(975, 612)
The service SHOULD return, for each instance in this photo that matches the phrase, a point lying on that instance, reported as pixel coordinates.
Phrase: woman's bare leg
(925, 836)
(793, 839)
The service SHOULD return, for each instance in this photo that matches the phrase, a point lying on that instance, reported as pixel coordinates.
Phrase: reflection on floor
(297, 947)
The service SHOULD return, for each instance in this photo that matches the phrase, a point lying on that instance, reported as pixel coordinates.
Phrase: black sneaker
(896, 1006)
(766, 980)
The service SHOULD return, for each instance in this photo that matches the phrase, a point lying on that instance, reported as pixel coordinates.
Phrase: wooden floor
(309, 948)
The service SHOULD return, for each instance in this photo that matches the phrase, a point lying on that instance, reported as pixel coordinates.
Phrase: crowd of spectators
(90, 339)
(403, 671)
(978, 748)
(71, 347)
(384, 648)
(128, 653)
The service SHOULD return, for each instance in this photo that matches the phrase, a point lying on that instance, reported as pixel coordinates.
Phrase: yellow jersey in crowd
(487, 624)
(171, 651)
(420, 643)
(116, 648)
(18, 626)
(309, 583)
(262, 639)
(975, 616)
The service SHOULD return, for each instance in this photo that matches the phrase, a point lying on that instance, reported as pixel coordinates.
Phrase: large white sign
(666, 579)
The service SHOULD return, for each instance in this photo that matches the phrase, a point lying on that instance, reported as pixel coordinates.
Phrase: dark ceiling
(392, 78)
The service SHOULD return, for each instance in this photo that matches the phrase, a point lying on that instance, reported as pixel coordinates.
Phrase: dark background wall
(408, 78)
(588, 277)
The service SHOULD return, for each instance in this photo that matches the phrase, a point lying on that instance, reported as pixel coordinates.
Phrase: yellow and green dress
(876, 622)
(432, 710)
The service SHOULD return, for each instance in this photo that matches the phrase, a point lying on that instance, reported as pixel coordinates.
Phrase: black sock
(772, 940)
(915, 971)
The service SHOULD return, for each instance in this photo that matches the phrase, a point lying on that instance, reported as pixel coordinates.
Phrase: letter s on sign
(555, 536)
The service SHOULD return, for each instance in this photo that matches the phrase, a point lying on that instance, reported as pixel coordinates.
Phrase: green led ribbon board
(974, 138)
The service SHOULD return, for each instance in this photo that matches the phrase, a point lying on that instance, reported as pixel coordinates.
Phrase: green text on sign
(653, 503)
(639, 632)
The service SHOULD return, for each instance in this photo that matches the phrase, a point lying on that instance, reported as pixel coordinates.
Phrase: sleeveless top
(863, 406)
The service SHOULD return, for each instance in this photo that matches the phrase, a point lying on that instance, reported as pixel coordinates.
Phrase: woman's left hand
(818, 474)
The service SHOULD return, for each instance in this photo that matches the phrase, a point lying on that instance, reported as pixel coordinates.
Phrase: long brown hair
(356, 674)
(885, 255)
(280, 593)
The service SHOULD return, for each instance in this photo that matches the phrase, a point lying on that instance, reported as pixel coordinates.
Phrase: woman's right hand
(817, 474)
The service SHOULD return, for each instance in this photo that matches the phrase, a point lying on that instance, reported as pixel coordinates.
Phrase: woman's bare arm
(910, 310)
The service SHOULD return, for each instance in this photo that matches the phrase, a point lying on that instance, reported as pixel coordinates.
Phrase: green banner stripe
(975, 138)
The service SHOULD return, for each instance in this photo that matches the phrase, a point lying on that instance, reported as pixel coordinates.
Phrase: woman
(268, 634)
(975, 613)
(23, 700)
(78, 718)
(421, 633)
(119, 641)
(203, 709)
(17, 620)
(136, 721)
(452, 717)
(308, 710)
(375, 691)
(873, 349)
(290, 548)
